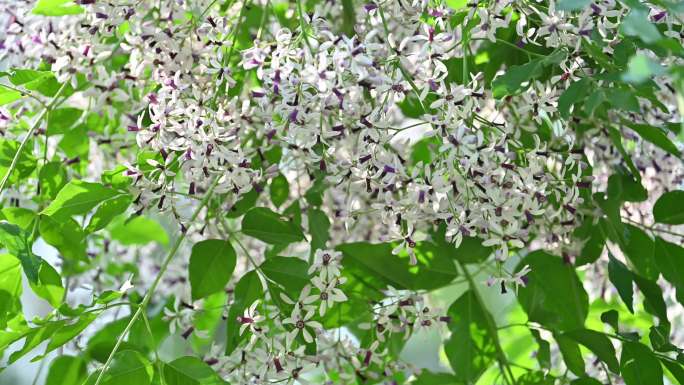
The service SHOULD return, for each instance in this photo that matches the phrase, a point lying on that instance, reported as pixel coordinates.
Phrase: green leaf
(280, 190)
(78, 198)
(535, 378)
(147, 337)
(378, 268)
(212, 262)
(76, 142)
(35, 337)
(116, 178)
(61, 120)
(456, 4)
(128, 367)
(573, 95)
(599, 344)
(641, 68)
(348, 17)
(629, 189)
(572, 5)
(101, 344)
(637, 24)
(138, 231)
(66, 370)
(209, 319)
(595, 52)
(585, 381)
(20, 216)
(47, 85)
(594, 242)
(294, 213)
(669, 208)
(247, 290)
(544, 350)
(10, 288)
(435, 268)
(49, 286)
(68, 332)
(57, 8)
(267, 226)
(52, 177)
(190, 370)
(424, 150)
(8, 95)
(670, 260)
(676, 369)
(20, 76)
(655, 136)
(611, 317)
(246, 202)
(274, 155)
(16, 329)
(25, 165)
(274, 251)
(411, 106)
(638, 365)
(616, 138)
(639, 248)
(471, 350)
(653, 297)
(319, 226)
(65, 235)
(15, 240)
(554, 295)
(622, 98)
(314, 195)
(350, 312)
(107, 211)
(470, 250)
(659, 336)
(289, 272)
(611, 222)
(572, 356)
(511, 82)
(428, 378)
(621, 278)
(673, 6)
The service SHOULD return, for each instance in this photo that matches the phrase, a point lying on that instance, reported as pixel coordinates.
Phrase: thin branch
(491, 327)
(150, 292)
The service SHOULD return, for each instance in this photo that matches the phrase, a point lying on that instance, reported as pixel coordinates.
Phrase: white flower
(304, 301)
(406, 242)
(250, 319)
(369, 356)
(180, 317)
(517, 279)
(329, 293)
(301, 322)
(126, 286)
(502, 236)
(327, 262)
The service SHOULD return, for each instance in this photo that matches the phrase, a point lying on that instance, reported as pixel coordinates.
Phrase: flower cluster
(403, 313)
(392, 123)
(281, 330)
(340, 105)
(484, 181)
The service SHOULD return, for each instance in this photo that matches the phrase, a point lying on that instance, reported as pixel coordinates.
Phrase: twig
(492, 329)
(150, 292)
